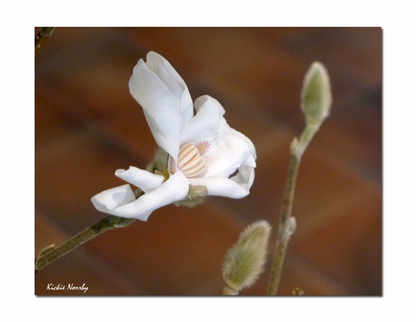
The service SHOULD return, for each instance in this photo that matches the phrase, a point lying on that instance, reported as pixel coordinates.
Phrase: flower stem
(42, 37)
(109, 222)
(51, 253)
(287, 222)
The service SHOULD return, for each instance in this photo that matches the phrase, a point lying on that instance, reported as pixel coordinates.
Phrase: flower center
(203, 146)
(191, 160)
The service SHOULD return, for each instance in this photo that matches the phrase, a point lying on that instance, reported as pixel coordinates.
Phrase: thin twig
(316, 100)
(42, 37)
(109, 222)
(287, 222)
(51, 253)
(285, 229)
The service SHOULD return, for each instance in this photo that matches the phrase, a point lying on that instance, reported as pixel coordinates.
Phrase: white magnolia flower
(203, 149)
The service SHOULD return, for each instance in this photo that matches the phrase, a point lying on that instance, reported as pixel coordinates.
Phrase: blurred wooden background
(88, 125)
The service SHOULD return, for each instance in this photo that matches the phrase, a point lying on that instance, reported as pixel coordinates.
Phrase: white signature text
(69, 287)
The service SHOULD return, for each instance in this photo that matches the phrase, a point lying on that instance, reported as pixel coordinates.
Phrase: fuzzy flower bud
(316, 97)
(196, 196)
(244, 262)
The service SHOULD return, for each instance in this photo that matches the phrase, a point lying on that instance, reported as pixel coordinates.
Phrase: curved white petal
(206, 122)
(170, 77)
(236, 187)
(160, 106)
(110, 199)
(143, 179)
(228, 151)
(245, 177)
(174, 189)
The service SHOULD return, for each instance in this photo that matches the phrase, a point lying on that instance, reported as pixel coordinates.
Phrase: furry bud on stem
(244, 262)
(316, 97)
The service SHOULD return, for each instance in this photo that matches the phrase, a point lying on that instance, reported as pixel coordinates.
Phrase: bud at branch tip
(316, 96)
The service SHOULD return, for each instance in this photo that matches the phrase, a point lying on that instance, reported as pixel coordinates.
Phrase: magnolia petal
(174, 189)
(245, 177)
(160, 106)
(236, 187)
(206, 122)
(143, 179)
(228, 152)
(110, 199)
(162, 68)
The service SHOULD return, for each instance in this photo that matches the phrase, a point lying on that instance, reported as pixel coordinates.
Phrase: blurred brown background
(88, 125)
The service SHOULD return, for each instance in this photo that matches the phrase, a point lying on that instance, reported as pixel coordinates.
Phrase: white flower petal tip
(142, 179)
(165, 99)
(109, 200)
